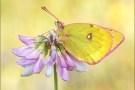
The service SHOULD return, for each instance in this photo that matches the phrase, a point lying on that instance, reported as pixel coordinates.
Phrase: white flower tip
(28, 70)
(81, 69)
(80, 66)
(85, 69)
(48, 74)
(48, 71)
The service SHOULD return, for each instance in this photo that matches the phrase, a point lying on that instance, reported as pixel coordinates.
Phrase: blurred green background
(25, 17)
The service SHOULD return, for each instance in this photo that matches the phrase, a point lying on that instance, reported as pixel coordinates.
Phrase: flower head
(37, 48)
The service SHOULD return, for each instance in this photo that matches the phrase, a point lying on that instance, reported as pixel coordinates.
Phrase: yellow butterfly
(89, 43)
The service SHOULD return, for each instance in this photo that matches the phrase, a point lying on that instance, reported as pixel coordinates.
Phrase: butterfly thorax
(60, 26)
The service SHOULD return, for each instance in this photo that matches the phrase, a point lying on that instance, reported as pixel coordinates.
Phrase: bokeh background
(25, 17)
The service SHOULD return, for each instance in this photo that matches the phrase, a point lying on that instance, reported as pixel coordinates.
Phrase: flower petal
(22, 51)
(80, 66)
(26, 39)
(61, 61)
(62, 72)
(33, 55)
(28, 70)
(39, 65)
(48, 71)
(65, 75)
(53, 54)
(50, 61)
(69, 61)
(49, 65)
(25, 62)
(22, 60)
(69, 68)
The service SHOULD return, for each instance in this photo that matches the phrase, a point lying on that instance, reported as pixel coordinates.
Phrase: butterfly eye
(89, 36)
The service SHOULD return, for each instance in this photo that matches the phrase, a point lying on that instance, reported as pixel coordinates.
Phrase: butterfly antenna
(45, 9)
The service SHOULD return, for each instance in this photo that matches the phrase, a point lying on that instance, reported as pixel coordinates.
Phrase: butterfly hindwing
(118, 38)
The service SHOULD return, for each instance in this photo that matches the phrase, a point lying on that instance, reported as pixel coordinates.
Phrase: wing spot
(89, 36)
(91, 25)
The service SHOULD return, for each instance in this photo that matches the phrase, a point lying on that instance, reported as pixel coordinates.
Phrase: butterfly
(89, 43)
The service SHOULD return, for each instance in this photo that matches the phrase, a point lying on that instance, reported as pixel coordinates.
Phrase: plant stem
(55, 78)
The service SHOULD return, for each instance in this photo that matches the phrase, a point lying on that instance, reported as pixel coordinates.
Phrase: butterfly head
(59, 24)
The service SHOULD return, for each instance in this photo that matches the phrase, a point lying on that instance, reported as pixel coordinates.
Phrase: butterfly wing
(88, 43)
(118, 38)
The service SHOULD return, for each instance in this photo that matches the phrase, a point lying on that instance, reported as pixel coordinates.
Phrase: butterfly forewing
(88, 43)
